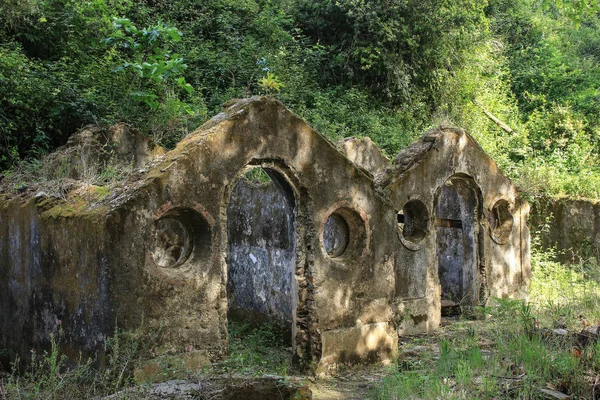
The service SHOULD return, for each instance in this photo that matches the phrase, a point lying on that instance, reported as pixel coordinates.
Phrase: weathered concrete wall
(165, 246)
(572, 226)
(164, 238)
(261, 252)
(54, 271)
(416, 177)
(364, 153)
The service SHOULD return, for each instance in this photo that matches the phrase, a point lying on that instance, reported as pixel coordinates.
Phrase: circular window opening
(344, 234)
(171, 242)
(181, 235)
(501, 221)
(336, 235)
(413, 221)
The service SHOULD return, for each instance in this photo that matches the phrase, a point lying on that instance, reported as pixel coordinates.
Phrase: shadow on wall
(180, 235)
(508, 227)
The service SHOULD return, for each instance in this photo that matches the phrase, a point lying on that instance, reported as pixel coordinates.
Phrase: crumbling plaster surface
(364, 153)
(418, 173)
(571, 227)
(189, 302)
(53, 272)
(98, 265)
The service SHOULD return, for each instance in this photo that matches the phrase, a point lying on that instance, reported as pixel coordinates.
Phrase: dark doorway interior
(261, 252)
(457, 236)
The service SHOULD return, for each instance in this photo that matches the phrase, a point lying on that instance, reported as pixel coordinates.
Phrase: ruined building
(258, 215)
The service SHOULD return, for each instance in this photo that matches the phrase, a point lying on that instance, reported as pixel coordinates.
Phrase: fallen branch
(554, 394)
(518, 377)
(494, 118)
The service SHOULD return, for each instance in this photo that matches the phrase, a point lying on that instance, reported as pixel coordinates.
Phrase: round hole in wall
(178, 235)
(344, 234)
(413, 221)
(336, 235)
(501, 221)
(171, 242)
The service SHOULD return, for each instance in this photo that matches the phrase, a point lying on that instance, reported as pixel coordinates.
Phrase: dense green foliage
(388, 70)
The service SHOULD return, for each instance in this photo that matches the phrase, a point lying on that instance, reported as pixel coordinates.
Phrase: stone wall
(348, 261)
(364, 153)
(161, 247)
(571, 226)
(55, 272)
(494, 216)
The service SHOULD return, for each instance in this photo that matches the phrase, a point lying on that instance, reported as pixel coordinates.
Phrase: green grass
(513, 353)
(565, 293)
(485, 363)
(256, 350)
(50, 375)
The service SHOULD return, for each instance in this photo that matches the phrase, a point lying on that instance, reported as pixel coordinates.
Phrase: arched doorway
(458, 243)
(261, 252)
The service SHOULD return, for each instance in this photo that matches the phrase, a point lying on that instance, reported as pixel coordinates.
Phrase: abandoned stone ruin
(256, 215)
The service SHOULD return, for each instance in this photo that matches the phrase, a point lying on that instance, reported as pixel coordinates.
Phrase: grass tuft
(521, 349)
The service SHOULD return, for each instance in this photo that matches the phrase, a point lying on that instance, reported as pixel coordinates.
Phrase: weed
(257, 176)
(516, 352)
(50, 375)
(270, 83)
(256, 350)
(101, 191)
